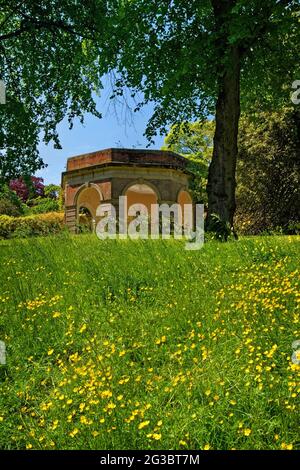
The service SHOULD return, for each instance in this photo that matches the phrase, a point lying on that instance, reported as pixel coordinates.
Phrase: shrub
(7, 207)
(85, 224)
(219, 230)
(268, 175)
(52, 190)
(7, 225)
(26, 187)
(34, 225)
(293, 228)
(44, 205)
(10, 203)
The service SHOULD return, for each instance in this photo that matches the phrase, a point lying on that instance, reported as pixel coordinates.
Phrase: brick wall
(126, 156)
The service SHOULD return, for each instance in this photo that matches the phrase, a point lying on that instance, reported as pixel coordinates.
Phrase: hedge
(30, 226)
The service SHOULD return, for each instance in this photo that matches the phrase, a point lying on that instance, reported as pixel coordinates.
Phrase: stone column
(176, 222)
(70, 218)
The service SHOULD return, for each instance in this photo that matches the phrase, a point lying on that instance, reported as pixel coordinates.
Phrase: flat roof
(121, 156)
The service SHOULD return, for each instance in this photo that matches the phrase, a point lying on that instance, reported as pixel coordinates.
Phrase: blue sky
(118, 128)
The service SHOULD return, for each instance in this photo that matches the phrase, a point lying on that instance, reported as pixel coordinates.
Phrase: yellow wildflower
(74, 432)
(285, 446)
(143, 424)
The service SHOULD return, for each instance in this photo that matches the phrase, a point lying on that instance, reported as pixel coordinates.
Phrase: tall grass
(138, 345)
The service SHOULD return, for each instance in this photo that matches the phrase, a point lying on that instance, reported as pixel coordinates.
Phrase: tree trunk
(221, 178)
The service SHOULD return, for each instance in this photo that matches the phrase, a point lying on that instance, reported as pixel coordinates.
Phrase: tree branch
(11, 14)
(37, 25)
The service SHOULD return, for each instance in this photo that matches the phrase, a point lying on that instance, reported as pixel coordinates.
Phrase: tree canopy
(48, 75)
(194, 141)
(174, 52)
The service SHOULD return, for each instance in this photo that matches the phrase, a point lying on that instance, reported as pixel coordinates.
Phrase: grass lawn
(143, 345)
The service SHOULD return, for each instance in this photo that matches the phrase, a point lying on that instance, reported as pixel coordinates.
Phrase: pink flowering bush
(34, 188)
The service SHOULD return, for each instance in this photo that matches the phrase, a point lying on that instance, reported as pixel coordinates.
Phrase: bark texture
(221, 178)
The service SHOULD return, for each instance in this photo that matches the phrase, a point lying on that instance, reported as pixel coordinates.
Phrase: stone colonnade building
(144, 176)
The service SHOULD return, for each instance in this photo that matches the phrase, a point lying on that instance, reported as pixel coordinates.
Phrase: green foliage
(268, 190)
(85, 224)
(219, 229)
(32, 225)
(10, 203)
(48, 75)
(293, 228)
(194, 141)
(118, 354)
(8, 208)
(175, 53)
(42, 205)
(52, 190)
(56, 193)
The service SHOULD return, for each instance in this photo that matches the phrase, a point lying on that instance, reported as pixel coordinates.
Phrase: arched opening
(140, 194)
(88, 200)
(184, 199)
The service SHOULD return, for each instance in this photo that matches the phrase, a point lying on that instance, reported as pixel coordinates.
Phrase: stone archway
(184, 198)
(88, 198)
(141, 192)
(140, 195)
